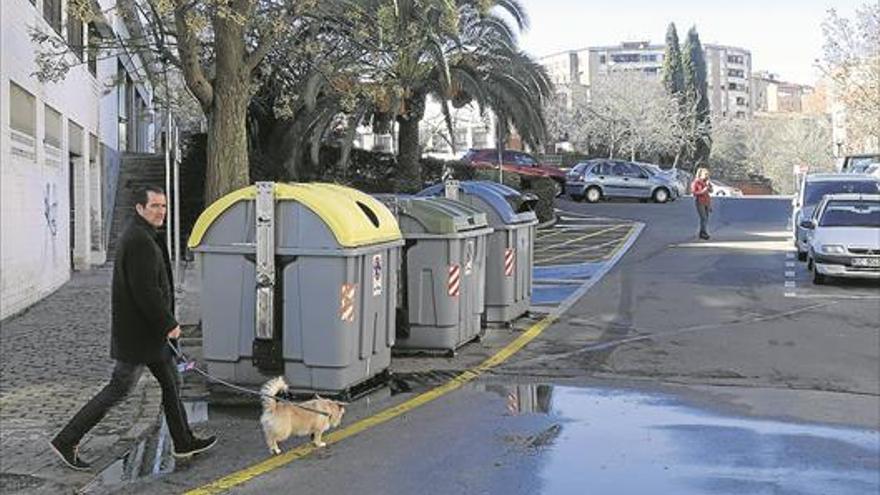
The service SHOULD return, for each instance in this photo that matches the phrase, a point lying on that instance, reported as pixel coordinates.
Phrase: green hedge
(508, 179)
(545, 189)
(374, 172)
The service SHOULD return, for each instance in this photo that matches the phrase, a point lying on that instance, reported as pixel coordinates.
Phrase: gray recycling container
(510, 254)
(335, 269)
(443, 277)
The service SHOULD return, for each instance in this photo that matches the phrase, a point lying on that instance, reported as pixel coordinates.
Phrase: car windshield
(580, 167)
(851, 214)
(864, 167)
(858, 164)
(815, 190)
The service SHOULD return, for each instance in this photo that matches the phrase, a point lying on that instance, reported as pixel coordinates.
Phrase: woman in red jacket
(701, 187)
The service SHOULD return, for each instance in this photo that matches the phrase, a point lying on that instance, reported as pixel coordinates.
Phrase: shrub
(545, 189)
(432, 169)
(508, 179)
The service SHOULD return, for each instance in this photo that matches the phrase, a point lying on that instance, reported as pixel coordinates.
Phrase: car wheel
(593, 194)
(818, 278)
(661, 195)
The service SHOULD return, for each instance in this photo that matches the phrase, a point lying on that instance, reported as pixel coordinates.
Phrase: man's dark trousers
(125, 376)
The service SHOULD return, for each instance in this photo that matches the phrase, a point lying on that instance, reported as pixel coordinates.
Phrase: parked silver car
(814, 187)
(846, 237)
(598, 179)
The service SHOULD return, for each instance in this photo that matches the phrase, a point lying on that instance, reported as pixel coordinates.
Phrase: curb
(132, 453)
(549, 223)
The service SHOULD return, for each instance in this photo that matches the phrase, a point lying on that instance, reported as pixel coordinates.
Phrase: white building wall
(648, 59)
(35, 257)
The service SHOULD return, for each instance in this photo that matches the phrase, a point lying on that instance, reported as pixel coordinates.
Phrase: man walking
(142, 324)
(701, 187)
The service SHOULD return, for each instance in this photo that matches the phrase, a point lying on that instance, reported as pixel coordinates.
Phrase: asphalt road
(691, 367)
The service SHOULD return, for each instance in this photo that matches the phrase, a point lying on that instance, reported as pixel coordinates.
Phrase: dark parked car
(517, 162)
(597, 179)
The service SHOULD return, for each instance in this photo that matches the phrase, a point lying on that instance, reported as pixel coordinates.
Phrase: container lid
(497, 196)
(354, 218)
(439, 215)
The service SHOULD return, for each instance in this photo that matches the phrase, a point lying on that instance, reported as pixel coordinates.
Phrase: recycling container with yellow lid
(298, 279)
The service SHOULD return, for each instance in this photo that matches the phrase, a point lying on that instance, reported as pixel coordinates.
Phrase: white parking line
(833, 296)
(790, 264)
(789, 274)
(789, 284)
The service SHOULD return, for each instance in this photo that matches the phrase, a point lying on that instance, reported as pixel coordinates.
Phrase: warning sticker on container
(469, 257)
(346, 302)
(377, 274)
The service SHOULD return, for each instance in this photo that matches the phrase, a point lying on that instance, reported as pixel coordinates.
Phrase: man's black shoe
(69, 456)
(704, 236)
(196, 446)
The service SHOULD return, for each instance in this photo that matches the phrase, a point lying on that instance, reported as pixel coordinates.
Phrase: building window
(22, 110)
(94, 40)
(52, 14)
(481, 138)
(123, 106)
(650, 70)
(649, 58)
(52, 134)
(601, 59)
(735, 73)
(461, 138)
(74, 32)
(740, 115)
(735, 59)
(624, 58)
(740, 101)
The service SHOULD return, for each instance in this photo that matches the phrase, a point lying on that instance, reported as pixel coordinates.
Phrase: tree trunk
(227, 167)
(410, 177)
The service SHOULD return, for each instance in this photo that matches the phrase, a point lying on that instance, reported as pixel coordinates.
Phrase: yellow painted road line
(576, 229)
(581, 250)
(278, 461)
(239, 477)
(622, 243)
(576, 239)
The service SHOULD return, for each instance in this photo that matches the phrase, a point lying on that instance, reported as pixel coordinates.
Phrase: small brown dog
(282, 419)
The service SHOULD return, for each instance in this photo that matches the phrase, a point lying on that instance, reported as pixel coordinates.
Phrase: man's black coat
(143, 295)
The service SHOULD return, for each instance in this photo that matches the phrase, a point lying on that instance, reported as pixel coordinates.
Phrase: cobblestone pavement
(53, 358)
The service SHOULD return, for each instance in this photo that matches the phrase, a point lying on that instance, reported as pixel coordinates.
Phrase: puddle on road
(606, 441)
(147, 458)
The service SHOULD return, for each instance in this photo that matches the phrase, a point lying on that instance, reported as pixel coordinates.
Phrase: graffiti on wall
(50, 208)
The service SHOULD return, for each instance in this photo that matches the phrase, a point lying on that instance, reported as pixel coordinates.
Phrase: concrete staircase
(140, 169)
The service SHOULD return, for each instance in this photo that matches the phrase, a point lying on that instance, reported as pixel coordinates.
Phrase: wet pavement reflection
(629, 442)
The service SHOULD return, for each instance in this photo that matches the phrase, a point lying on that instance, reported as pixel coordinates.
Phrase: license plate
(872, 262)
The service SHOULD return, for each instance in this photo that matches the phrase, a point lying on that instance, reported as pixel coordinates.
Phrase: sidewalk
(53, 358)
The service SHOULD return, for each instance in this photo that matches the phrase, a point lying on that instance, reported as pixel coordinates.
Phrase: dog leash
(190, 365)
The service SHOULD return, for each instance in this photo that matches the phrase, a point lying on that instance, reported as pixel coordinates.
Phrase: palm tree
(397, 53)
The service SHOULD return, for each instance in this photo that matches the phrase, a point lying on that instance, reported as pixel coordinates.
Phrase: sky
(784, 36)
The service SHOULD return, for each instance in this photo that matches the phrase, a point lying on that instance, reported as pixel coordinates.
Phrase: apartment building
(728, 70)
(60, 145)
(772, 95)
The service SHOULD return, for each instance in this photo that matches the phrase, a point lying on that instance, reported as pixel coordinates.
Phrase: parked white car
(721, 189)
(845, 239)
(813, 189)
